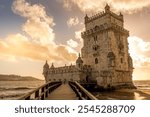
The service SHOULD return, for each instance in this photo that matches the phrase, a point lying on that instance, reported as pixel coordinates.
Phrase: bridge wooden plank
(64, 92)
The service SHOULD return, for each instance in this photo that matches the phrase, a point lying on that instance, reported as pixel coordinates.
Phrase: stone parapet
(69, 69)
(102, 14)
(104, 27)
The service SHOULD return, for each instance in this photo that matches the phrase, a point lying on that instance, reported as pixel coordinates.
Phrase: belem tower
(104, 57)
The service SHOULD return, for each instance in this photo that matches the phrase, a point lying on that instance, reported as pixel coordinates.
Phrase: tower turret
(46, 65)
(86, 18)
(45, 70)
(52, 66)
(107, 8)
(121, 16)
(79, 62)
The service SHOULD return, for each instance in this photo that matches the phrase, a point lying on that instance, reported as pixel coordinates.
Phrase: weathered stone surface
(105, 55)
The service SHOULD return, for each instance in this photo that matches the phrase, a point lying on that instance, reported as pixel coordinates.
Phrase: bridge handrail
(41, 92)
(81, 92)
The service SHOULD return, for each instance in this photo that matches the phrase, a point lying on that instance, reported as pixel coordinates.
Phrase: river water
(14, 89)
(141, 93)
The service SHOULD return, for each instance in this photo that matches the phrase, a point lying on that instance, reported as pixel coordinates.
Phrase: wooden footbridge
(59, 91)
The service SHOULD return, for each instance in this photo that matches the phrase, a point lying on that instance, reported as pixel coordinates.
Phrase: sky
(33, 31)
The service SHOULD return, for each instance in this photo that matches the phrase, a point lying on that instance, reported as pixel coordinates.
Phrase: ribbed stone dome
(79, 60)
(46, 65)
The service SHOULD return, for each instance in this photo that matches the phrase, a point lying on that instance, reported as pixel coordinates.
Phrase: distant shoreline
(18, 78)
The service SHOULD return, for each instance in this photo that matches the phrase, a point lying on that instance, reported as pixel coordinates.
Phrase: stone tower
(45, 70)
(79, 62)
(106, 49)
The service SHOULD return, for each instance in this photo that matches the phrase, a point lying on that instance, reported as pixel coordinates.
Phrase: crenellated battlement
(119, 17)
(102, 14)
(68, 69)
(64, 69)
(94, 17)
(103, 28)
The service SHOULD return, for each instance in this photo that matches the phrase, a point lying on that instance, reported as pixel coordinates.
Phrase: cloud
(38, 39)
(72, 43)
(66, 4)
(38, 25)
(139, 50)
(79, 38)
(65, 54)
(73, 21)
(18, 45)
(78, 35)
(128, 6)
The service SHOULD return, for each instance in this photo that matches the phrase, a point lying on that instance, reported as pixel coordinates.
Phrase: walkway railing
(81, 92)
(41, 92)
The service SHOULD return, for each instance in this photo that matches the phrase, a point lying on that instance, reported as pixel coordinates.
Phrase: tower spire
(52, 66)
(107, 8)
(79, 54)
(86, 18)
(46, 65)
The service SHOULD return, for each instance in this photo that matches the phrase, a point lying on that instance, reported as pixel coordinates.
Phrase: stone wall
(70, 76)
(106, 48)
(105, 54)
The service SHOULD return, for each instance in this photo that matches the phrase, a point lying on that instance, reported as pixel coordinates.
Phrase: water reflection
(126, 94)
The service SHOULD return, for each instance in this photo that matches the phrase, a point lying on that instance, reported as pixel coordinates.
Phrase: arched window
(95, 38)
(96, 61)
(96, 28)
(111, 59)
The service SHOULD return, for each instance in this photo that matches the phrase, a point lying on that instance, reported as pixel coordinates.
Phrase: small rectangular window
(121, 60)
